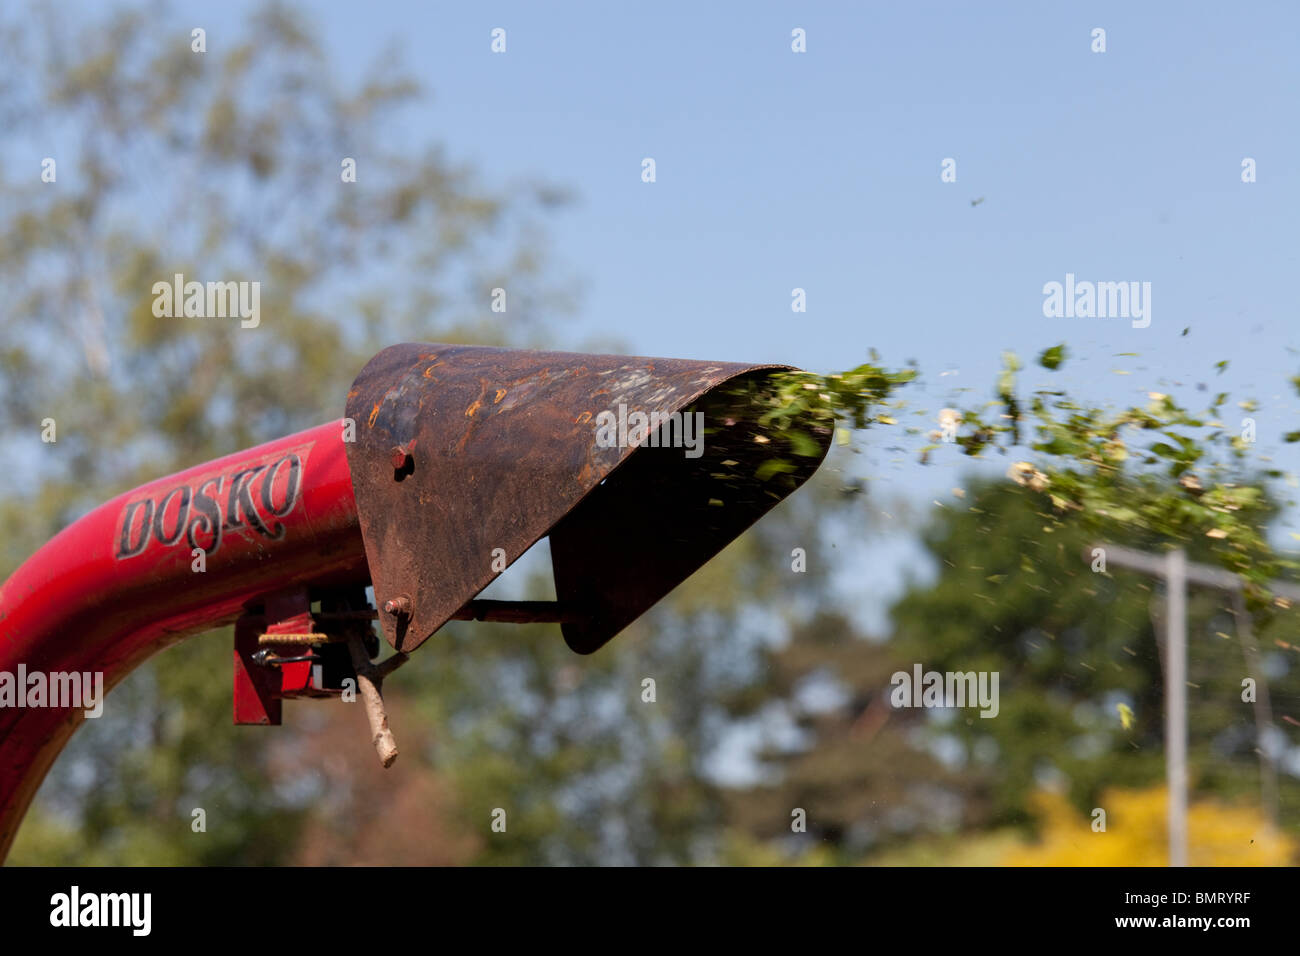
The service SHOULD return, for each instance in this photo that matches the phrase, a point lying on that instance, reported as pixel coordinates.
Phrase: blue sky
(821, 170)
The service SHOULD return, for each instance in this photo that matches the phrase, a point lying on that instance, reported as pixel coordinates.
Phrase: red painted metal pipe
(172, 558)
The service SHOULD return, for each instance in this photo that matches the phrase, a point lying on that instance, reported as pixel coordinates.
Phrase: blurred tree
(591, 763)
(222, 166)
(1070, 646)
(852, 771)
(1081, 682)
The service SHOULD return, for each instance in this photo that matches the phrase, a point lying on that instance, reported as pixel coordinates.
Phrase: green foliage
(1157, 472)
(1081, 679)
(1053, 357)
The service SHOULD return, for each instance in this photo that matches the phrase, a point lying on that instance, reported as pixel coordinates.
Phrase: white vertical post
(1176, 703)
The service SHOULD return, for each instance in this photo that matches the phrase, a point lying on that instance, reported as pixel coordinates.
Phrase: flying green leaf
(1125, 715)
(1053, 357)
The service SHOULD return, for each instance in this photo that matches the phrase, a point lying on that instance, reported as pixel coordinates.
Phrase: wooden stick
(370, 681)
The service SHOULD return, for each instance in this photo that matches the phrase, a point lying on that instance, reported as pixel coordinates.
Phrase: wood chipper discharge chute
(451, 463)
(640, 470)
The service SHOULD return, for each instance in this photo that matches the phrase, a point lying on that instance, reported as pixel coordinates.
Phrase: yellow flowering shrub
(1218, 834)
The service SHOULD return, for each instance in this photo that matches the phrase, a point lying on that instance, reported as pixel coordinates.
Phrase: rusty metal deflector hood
(465, 456)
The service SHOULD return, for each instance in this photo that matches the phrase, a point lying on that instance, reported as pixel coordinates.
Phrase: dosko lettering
(251, 497)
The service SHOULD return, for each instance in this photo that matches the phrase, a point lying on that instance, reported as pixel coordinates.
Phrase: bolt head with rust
(400, 456)
(399, 606)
